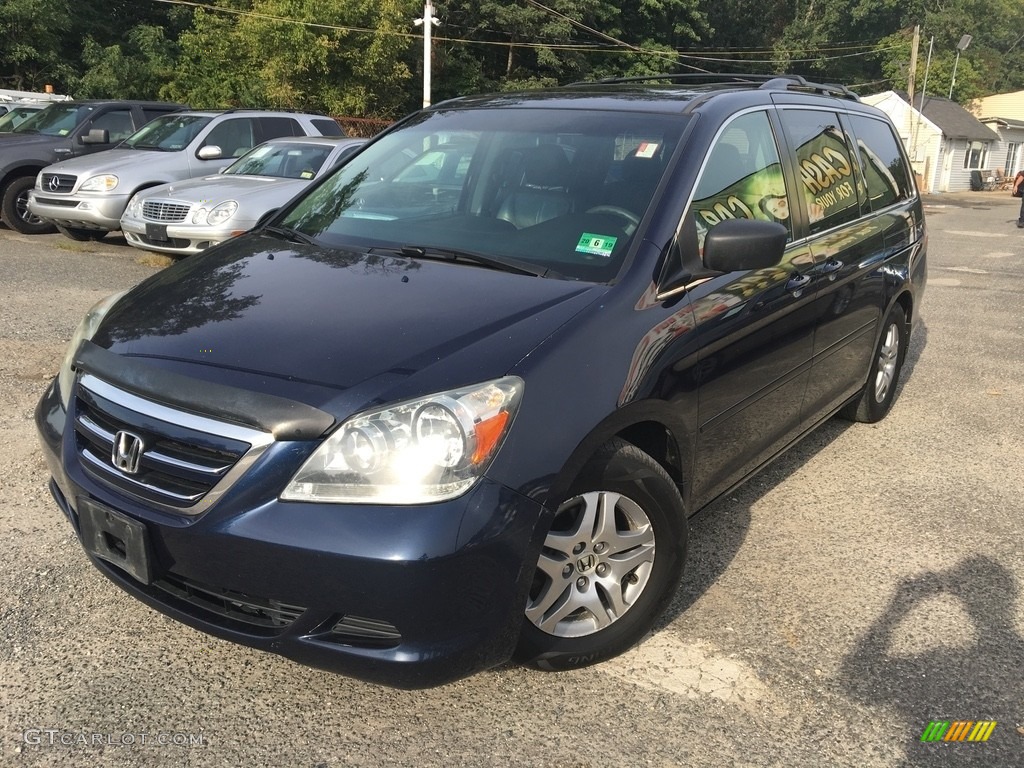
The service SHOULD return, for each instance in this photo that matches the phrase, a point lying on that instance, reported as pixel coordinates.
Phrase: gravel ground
(863, 585)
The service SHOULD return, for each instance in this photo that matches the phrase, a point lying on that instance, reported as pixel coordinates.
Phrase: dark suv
(455, 403)
(61, 131)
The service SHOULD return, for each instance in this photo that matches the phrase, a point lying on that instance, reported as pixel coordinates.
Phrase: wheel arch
(664, 441)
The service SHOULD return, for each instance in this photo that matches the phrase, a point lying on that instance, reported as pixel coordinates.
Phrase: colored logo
(958, 730)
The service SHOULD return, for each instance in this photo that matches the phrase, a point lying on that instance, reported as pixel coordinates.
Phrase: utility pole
(428, 21)
(912, 74)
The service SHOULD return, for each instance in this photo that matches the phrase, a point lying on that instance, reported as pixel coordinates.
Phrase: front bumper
(79, 211)
(183, 239)
(409, 597)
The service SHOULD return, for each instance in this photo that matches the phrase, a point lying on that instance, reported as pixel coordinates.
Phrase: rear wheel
(82, 235)
(883, 377)
(609, 564)
(14, 208)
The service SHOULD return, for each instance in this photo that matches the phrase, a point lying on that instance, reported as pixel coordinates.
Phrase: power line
(621, 47)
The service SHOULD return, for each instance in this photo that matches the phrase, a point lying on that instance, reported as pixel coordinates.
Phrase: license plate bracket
(116, 538)
(156, 232)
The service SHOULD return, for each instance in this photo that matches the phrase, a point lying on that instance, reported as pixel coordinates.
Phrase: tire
(884, 375)
(576, 615)
(14, 208)
(82, 235)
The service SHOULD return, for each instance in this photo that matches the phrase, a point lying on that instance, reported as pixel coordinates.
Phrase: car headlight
(104, 183)
(39, 180)
(221, 213)
(421, 451)
(85, 331)
(134, 208)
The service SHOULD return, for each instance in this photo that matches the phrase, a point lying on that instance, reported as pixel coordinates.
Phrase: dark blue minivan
(454, 404)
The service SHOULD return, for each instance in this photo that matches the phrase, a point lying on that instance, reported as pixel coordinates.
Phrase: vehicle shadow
(947, 683)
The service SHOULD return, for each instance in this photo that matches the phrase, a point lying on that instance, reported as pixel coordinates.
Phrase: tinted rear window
(327, 127)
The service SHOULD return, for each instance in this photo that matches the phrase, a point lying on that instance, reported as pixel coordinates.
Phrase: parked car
(455, 402)
(85, 197)
(15, 113)
(186, 217)
(62, 130)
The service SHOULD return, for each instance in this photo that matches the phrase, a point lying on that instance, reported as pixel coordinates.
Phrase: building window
(1012, 158)
(977, 154)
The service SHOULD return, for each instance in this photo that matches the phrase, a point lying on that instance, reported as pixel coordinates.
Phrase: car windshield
(170, 133)
(55, 120)
(286, 160)
(15, 117)
(559, 189)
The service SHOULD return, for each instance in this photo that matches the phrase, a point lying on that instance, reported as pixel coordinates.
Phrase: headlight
(222, 213)
(103, 183)
(86, 330)
(39, 180)
(199, 217)
(417, 452)
(134, 208)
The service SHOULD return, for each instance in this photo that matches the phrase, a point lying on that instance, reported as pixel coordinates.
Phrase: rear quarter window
(327, 127)
(884, 166)
(273, 127)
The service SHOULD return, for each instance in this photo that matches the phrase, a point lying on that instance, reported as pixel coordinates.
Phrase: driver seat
(540, 186)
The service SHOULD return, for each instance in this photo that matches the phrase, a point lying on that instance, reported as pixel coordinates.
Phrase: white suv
(85, 197)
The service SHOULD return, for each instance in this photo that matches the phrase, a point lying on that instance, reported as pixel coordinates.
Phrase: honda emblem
(127, 452)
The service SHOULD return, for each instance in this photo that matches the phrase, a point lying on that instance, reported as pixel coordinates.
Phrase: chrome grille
(158, 210)
(187, 462)
(58, 182)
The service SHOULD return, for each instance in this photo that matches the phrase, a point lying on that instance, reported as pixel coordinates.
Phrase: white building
(945, 142)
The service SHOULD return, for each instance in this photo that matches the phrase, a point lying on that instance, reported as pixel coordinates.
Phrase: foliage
(364, 58)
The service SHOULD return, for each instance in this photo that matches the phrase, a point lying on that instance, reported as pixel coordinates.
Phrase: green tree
(339, 57)
(32, 34)
(141, 68)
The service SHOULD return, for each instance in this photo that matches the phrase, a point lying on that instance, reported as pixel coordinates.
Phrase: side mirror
(741, 244)
(209, 152)
(97, 136)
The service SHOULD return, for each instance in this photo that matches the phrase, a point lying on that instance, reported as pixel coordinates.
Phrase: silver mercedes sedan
(187, 217)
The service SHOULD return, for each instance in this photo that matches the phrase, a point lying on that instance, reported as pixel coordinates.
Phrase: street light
(961, 46)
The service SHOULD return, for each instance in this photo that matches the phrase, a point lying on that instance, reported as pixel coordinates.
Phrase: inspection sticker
(647, 149)
(596, 245)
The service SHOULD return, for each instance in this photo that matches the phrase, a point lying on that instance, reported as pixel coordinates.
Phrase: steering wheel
(632, 220)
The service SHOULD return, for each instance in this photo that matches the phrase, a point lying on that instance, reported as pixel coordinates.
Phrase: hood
(217, 188)
(338, 320)
(107, 161)
(10, 140)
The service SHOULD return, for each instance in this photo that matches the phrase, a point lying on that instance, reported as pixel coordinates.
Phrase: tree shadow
(947, 682)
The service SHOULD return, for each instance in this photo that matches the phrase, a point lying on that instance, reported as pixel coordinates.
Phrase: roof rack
(766, 82)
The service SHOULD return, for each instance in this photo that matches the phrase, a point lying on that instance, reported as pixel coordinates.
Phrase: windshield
(286, 160)
(563, 190)
(55, 120)
(170, 133)
(15, 117)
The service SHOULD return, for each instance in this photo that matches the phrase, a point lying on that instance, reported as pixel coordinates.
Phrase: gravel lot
(864, 585)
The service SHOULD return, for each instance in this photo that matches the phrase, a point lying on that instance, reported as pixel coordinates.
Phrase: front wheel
(883, 376)
(609, 564)
(14, 208)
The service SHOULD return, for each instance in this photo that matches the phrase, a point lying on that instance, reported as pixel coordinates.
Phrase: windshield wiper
(438, 253)
(291, 235)
(154, 147)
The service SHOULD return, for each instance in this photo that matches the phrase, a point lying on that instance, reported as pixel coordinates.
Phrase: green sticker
(596, 245)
